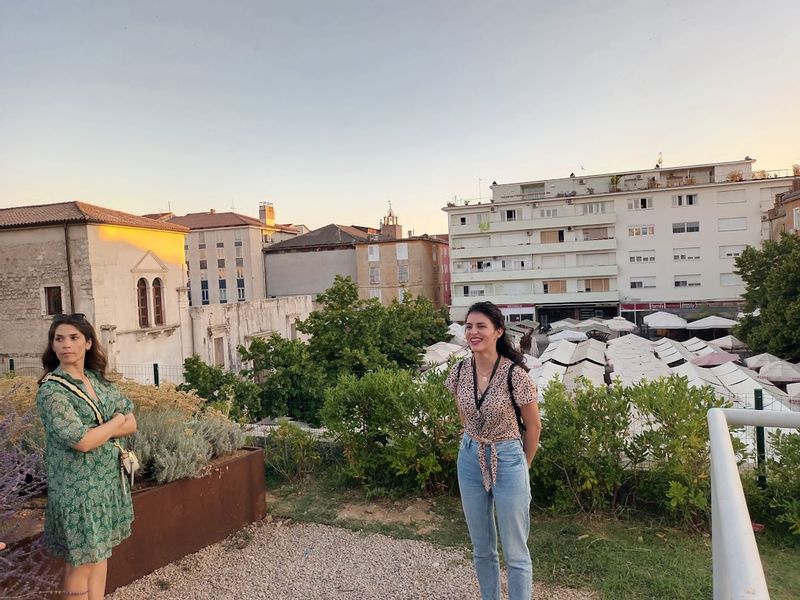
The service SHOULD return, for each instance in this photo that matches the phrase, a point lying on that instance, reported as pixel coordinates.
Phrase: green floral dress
(89, 508)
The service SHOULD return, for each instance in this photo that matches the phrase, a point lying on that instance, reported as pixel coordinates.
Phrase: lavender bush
(22, 476)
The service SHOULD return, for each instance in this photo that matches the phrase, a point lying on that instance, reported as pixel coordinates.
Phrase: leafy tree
(353, 335)
(772, 277)
(227, 392)
(289, 377)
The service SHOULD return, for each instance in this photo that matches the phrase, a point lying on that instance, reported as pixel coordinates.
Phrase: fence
(736, 563)
(146, 374)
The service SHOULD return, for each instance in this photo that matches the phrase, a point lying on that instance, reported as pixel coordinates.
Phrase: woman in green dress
(89, 507)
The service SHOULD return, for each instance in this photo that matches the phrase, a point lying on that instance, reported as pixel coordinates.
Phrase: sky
(331, 110)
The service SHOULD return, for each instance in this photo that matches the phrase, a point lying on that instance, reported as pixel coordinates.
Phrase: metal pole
(155, 373)
(761, 453)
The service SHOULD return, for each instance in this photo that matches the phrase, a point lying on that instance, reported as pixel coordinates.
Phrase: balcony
(561, 222)
(539, 299)
(609, 244)
(580, 272)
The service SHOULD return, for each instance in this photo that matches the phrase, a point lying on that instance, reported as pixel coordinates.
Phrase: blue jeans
(511, 495)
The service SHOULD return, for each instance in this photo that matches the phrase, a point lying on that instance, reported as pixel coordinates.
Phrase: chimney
(410, 233)
(212, 212)
(266, 213)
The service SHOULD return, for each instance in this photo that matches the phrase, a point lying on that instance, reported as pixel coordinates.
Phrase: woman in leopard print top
(495, 455)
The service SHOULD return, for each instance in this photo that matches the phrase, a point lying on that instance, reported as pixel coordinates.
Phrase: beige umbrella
(780, 371)
(759, 360)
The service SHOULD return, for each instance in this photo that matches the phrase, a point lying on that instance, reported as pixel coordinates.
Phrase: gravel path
(287, 561)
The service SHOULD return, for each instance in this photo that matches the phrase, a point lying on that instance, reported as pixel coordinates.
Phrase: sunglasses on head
(74, 317)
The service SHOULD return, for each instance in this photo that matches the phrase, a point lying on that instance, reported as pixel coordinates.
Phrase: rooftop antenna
(479, 189)
(233, 205)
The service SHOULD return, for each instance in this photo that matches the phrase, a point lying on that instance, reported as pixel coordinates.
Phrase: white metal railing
(737, 569)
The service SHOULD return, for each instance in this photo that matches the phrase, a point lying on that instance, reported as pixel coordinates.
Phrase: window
(483, 265)
(643, 282)
(594, 208)
(731, 251)
(220, 263)
(554, 261)
(555, 286)
(686, 254)
(731, 197)
(223, 295)
(220, 244)
(402, 274)
(640, 203)
(641, 230)
(375, 294)
(686, 227)
(203, 265)
(512, 264)
(547, 213)
(52, 300)
(158, 302)
(238, 252)
(592, 285)
(509, 215)
(203, 255)
(595, 233)
(401, 292)
(267, 236)
(203, 275)
(726, 279)
(552, 237)
(402, 251)
(221, 274)
(374, 275)
(640, 256)
(204, 291)
(239, 262)
(220, 251)
(483, 217)
(240, 273)
(684, 200)
(240, 294)
(373, 253)
(687, 280)
(201, 240)
(141, 302)
(796, 214)
(462, 220)
(595, 260)
(732, 224)
(237, 240)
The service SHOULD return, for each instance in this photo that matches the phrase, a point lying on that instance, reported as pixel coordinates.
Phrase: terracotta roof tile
(215, 220)
(329, 235)
(76, 212)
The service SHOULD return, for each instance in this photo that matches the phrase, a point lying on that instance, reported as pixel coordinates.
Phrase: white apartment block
(628, 242)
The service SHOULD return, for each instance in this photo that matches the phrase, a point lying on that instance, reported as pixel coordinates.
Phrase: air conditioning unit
(581, 182)
(493, 209)
(535, 205)
(529, 233)
(569, 200)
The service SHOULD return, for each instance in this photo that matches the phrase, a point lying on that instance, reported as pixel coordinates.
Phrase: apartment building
(224, 253)
(598, 245)
(784, 217)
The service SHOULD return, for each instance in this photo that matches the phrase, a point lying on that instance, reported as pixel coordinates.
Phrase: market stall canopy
(620, 324)
(712, 322)
(715, 359)
(559, 351)
(457, 331)
(793, 389)
(564, 323)
(664, 320)
(440, 352)
(699, 347)
(567, 334)
(729, 342)
(671, 351)
(595, 374)
(780, 371)
(759, 360)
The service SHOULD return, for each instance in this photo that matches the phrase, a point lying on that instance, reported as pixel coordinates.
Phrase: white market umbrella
(793, 389)
(780, 371)
(712, 322)
(759, 360)
(567, 334)
(664, 320)
(620, 324)
(729, 343)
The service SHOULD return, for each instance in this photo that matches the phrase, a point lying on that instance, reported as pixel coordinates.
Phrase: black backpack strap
(517, 411)
(458, 371)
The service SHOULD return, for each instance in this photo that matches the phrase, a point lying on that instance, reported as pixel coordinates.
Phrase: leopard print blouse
(496, 420)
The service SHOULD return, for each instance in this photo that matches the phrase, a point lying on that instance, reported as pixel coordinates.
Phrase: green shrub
(580, 464)
(226, 392)
(172, 445)
(396, 432)
(291, 453)
(783, 480)
(673, 447)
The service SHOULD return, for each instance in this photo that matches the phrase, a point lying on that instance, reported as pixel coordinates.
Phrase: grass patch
(631, 557)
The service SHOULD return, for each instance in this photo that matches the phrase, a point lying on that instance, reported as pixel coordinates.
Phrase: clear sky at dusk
(330, 109)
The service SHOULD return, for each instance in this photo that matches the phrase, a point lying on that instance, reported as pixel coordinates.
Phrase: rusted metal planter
(182, 517)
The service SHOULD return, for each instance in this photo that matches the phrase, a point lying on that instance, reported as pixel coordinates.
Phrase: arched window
(158, 301)
(141, 301)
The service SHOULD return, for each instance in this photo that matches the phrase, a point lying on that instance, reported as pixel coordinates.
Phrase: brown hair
(95, 356)
(504, 345)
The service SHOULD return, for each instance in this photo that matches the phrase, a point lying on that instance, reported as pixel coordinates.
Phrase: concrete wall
(307, 272)
(218, 330)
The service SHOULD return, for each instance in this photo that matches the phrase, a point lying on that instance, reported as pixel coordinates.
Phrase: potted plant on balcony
(613, 183)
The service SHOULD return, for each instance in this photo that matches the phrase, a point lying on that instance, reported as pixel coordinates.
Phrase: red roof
(76, 212)
(215, 220)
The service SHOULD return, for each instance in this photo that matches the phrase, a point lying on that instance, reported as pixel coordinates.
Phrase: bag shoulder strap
(517, 411)
(458, 370)
(78, 392)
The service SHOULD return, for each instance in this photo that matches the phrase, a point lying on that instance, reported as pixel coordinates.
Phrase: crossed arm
(120, 425)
